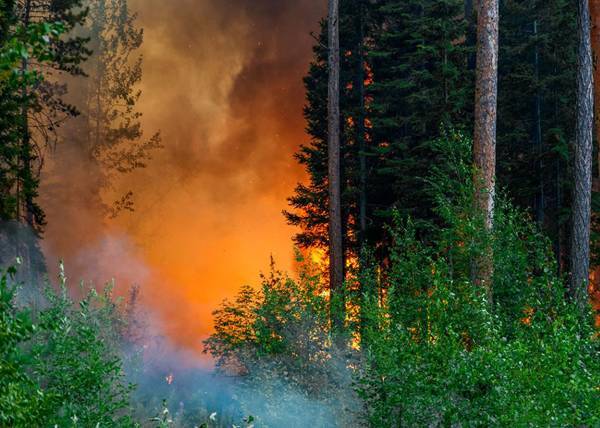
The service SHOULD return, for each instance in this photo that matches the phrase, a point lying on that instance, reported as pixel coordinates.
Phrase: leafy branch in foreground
(60, 365)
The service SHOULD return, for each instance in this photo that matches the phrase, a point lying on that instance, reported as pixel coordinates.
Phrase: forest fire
(154, 147)
(228, 153)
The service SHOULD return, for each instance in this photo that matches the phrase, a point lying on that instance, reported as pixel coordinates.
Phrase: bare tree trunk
(582, 190)
(468, 9)
(484, 141)
(595, 40)
(360, 132)
(336, 258)
(540, 198)
(24, 197)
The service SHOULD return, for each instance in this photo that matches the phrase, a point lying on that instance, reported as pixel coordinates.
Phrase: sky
(223, 84)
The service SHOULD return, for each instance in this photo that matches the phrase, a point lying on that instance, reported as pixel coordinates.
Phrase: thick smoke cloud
(223, 83)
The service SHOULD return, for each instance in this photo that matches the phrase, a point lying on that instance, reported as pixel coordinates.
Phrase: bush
(59, 367)
(440, 354)
(276, 339)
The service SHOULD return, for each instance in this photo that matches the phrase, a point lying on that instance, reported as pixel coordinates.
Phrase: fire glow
(223, 83)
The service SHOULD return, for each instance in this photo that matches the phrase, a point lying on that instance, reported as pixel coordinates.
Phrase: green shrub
(440, 354)
(60, 366)
(277, 340)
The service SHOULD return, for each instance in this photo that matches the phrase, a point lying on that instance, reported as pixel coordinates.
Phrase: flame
(528, 313)
(318, 257)
(594, 291)
(169, 378)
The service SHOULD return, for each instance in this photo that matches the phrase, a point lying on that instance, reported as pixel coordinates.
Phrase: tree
(108, 136)
(61, 364)
(420, 83)
(537, 62)
(484, 141)
(310, 201)
(35, 44)
(582, 163)
(595, 41)
(336, 255)
(479, 364)
(42, 107)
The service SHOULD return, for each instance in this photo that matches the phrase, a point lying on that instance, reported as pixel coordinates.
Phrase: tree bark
(24, 197)
(360, 132)
(484, 141)
(336, 259)
(468, 9)
(582, 162)
(540, 199)
(594, 6)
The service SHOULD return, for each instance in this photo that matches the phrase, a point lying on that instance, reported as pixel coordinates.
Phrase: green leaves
(62, 368)
(439, 355)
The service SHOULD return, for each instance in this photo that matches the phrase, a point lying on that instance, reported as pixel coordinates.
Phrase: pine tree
(484, 141)
(310, 202)
(110, 123)
(29, 48)
(42, 108)
(582, 189)
(413, 63)
(420, 84)
(336, 251)
(536, 66)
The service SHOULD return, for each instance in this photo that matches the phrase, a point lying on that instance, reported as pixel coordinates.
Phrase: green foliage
(418, 58)
(21, 398)
(60, 365)
(277, 340)
(440, 355)
(19, 45)
(413, 57)
(310, 201)
(284, 319)
(36, 41)
(536, 108)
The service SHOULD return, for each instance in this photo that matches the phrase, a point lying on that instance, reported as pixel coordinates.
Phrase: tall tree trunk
(360, 131)
(595, 40)
(484, 141)
(336, 258)
(582, 190)
(25, 179)
(24, 196)
(468, 9)
(540, 199)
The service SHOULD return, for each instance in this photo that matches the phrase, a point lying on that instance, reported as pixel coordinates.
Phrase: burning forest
(274, 213)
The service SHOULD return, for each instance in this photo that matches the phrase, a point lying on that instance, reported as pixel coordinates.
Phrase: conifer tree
(420, 84)
(537, 63)
(582, 188)
(336, 255)
(110, 123)
(413, 60)
(309, 202)
(484, 141)
(42, 107)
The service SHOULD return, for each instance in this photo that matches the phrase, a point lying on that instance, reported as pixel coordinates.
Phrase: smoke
(223, 82)
(194, 393)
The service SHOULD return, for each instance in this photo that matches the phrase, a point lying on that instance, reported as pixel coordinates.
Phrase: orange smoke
(223, 83)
